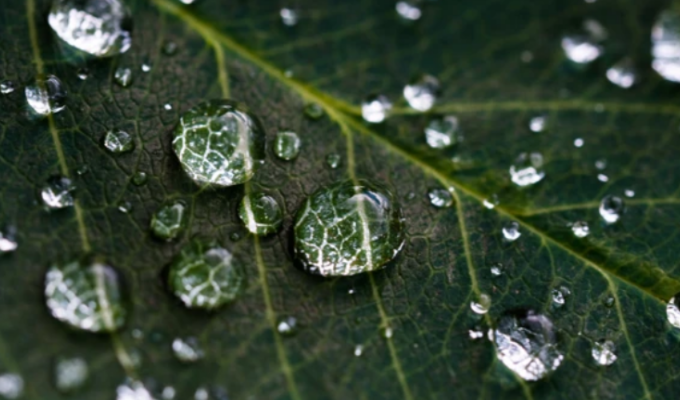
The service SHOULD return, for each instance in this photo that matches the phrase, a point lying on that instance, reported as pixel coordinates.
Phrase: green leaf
(620, 276)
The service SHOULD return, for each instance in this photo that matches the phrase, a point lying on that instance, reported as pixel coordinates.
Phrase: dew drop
(333, 160)
(527, 169)
(261, 214)
(348, 228)
(117, 141)
(666, 45)
(622, 74)
(219, 142)
(125, 206)
(578, 143)
(146, 67)
(46, 95)
(204, 275)
(511, 231)
(58, 193)
(123, 76)
(441, 133)
(287, 145)
(289, 17)
(475, 334)
(201, 394)
(170, 48)
(481, 306)
(70, 374)
(375, 108)
(609, 302)
(133, 390)
(358, 350)
(601, 164)
(167, 107)
(497, 269)
(139, 178)
(11, 386)
(491, 202)
(604, 352)
(83, 169)
(440, 198)
(386, 332)
(526, 344)
(611, 209)
(422, 92)
(168, 393)
(673, 312)
(602, 178)
(287, 326)
(581, 49)
(187, 350)
(408, 10)
(538, 124)
(580, 229)
(85, 296)
(8, 240)
(629, 193)
(169, 221)
(6, 87)
(313, 111)
(558, 296)
(83, 74)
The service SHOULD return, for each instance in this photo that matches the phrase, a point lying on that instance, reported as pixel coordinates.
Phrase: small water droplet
(358, 350)
(673, 312)
(170, 48)
(375, 108)
(125, 206)
(558, 297)
(580, 229)
(58, 193)
(440, 198)
(287, 326)
(408, 10)
(491, 202)
(46, 95)
(132, 390)
(578, 143)
(580, 49)
(83, 74)
(187, 350)
(603, 352)
(441, 133)
(70, 374)
(204, 275)
(146, 67)
(527, 169)
(481, 306)
(351, 291)
(261, 214)
(168, 393)
(169, 221)
(602, 178)
(538, 124)
(622, 74)
(422, 92)
(475, 334)
(333, 160)
(6, 87)
(8, 240)
(201, 394)
(666, 45)
(511, 231)
(139, 178)
(11, 386)
(611, 209)
(289, 17)
(387, 332)
(629, 193)
(287, 145)
(117, 141)
(313, 111)
(497, 269)
(167, 107)
(601, 164)
(609, 302)
(123, 76)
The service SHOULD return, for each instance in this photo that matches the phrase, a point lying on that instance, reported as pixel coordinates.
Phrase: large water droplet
(604, 352)
(260, 213)
(169, 221)
(526, 344)
(673, 311)
(187, 350)
(622, 74)
(443, 132)
(8, 240)
(219, 142)
(482, 305)
(375, 108)
(287, 326)
(408, 10)
(580, 229)
(205, 275)
(97, 27)
(346, 229)
(11, 386)
(666, 45)
(58, 193)
(70, 374)
(46, 95)
(85, 296)
(527, 169)
(440, 198)
(118, 142)
(422, 92)
(611, 209)
(6, 87)
(511, 231)
(289, 17)
(287, 145)
(123, 76)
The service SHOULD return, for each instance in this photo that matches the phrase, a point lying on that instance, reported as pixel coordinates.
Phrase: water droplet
(188, 1)
(346, 229)
(168, 393)
(511, 231)
(83, 74)
(481, 306)
(235, 236)
(97, 27)
(287, 145)
(146, 67)
(604, 352)
(422, 92)
(601, 164)
(491, 202)
(375, 108)
(70, 374)
(666, 45)
(609, 302)
(169, 221)
(58, 193)
(46, 95)
(611, 208)
(313, 110)
(219, 142)
(261, 214)
(475, 334)
(133, 390)
(578, 143)
(83, 169)
(580, 229)
(387, 332)
(497, 269)
(602, 178)
(287, 326)
(167, 106)
(527, 169)
(333, 160)
(538, 124)
(170, 48)
(440, 198)
(137, 334)
(580, 49)
(8, 240)
(409, 11)
(289, 17)
(205, 275)
(123, 76)
(125, 206)
(85, 296)
(201, 394)
(673, 312)
(622, 74)
(11, 386)
(526, 344)
(139, 178)
(441, 133)
(187, 350)
(558, 298)
(118, 142)
(629, 193)
(358, 350)
(526, 56)
(6, 87)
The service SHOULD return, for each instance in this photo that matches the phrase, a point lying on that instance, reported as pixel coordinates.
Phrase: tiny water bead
(168, 393)
(527, 169)
(333, 160)
(622, 74)
(86, 296)
(581, 49)
(408, 10)
(559, 296)
(204, 275)
(169, 221)
(482, 305)
(511, 231)
(580, 229)
(219, 142)
(604, 352)
(673, 311)
(289, 17)
(497, 269)
(187, 350)
(139, 178)
(348, 228)
(526, 343)
(261, 214)
(611, 209)
(313, 111)
(474, 334)
(83, 74)
(421, 93)
(602, 178)
(133, 390)
(358, 350)
(170, 48)
(491, 202)
(11, 386)
(70, 374)
(58, 193)
(665, 45)
(46, 95)
(287, 326)
(8, 240)
(117, 142)
(578, 143)
(6, 87)
(629, 193)
(145, 67)
(123, 76)
(538, 124)
(287, 145)
(441, 133)
(375, 108)
(440, 198)
(386, 332)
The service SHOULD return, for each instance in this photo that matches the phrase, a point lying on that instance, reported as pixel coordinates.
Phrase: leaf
(338, 53)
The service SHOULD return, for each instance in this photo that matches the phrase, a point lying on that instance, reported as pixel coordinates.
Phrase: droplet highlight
(422, 92)
(611, 209)
(444, 132)
(375, 108)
